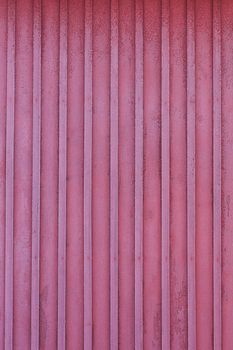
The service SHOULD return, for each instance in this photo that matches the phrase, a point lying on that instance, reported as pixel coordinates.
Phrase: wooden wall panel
(116, 174)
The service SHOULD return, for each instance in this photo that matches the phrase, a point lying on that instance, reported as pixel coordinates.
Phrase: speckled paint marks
(116, 174)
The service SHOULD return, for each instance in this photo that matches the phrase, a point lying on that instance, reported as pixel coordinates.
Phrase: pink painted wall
(116, 174)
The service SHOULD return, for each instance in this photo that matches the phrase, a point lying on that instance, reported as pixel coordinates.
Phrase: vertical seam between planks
(191, 174)
(88, 177)
(61, 336)
(139, 174)
(36, 175)
(9, 249)
(114, 178)
(217, 171)
(165, 159)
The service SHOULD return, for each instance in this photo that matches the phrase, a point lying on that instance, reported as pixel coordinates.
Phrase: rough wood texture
(116, 174)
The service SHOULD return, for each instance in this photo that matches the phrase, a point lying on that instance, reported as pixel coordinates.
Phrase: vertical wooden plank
(10, 176)
(101, 174)
(165, 159)
(75, 154)
(227, 171)
(3, 85)
(139, 96)
(62, 169)
(49, 174)
(204, 173)
(23, 175)
(152, 175)
(114, 178)
(191, 174)
(88, 177)
(217, 174)
(178, 182)
(35, 287)
(75, 123)
(126, 174)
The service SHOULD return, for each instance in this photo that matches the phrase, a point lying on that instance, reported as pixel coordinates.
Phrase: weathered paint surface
(116, 174)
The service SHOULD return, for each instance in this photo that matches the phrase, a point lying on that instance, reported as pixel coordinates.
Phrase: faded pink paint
(116, 174)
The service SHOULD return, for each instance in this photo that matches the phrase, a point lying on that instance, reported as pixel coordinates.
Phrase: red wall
(116, 174)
